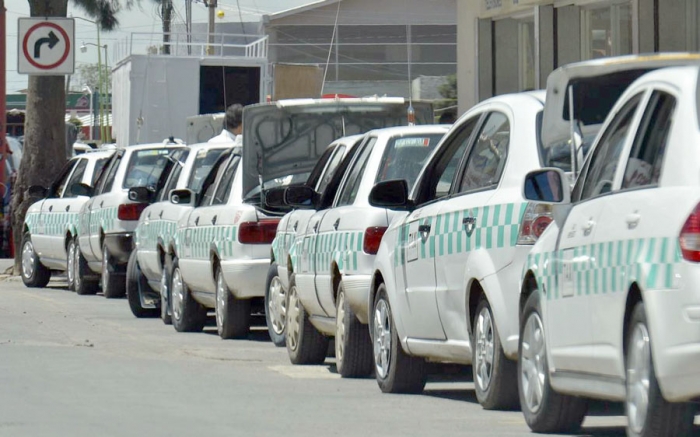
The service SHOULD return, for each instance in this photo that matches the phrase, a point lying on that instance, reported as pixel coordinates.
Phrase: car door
(569, 306)
(49, 222)
(96, 203)
(66, 209)
(632, 240)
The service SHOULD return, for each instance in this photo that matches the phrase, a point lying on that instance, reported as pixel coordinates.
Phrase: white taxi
(329, 291)
(324, 180)
(610, 306)
(147, 279)
(50, 225)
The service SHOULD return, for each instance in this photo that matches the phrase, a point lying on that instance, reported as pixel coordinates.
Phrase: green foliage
(448, 90)
(76, 121)
(89, 74)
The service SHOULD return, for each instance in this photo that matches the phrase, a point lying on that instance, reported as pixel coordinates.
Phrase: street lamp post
(92, 113)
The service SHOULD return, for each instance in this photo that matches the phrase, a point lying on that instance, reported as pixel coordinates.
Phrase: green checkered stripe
(612, 266)
(31, 221)
(497, 227)
(105, 218)
(281, 247)
(202, 237)
(157, 229)
(55, 223)
(341, 247)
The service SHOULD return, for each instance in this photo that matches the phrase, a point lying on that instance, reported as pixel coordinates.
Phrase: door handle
(213, 220)
(633, 220)
(336, 224)
(316, 226)
(295, 226)
(161, 214)
(196, 221)
(149, 215)
(102, 203)
(588, 227)
(50, 208)
(67, 208)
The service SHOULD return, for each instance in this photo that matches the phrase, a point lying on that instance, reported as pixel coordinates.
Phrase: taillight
(373, 236)
(130, 211)
(261, 232)
(690, 237)
(535, 220)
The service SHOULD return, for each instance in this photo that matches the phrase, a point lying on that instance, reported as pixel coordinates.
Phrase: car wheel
(165, 310)
(648, 413)
(353, 347)
(232, 314)
(305, 345)
(188, 314)
(34, 273)
(113, 283)
(275, 306)
(70, 264)
(397, 372)
(82, 282)
(495, 376)
(545, 410)
(135, 282)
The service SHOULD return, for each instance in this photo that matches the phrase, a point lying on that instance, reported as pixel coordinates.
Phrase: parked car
(146, 272)
(324, 180)
(51, 224)
(335, 253)
(609, 301)
(132, 179)
(221, 254)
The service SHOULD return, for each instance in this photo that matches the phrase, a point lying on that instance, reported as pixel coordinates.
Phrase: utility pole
(188, 25)
(3, 93)
(211, 4)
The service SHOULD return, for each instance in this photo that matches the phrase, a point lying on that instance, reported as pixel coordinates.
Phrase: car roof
(96, 154)
(205, 146)
(348, 141)
(411, 130)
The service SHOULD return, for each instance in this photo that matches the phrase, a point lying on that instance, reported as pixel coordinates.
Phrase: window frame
(369, 143)
(81, 161)
(65, 174)
(615, 20)
(232, 167)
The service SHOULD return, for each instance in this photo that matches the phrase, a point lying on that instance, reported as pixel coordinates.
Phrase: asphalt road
(84, 366)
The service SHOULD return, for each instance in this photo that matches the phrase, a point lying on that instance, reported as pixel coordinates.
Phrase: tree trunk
(44, 133)
(167, 13)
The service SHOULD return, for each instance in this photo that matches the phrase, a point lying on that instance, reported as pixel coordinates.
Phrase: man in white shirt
(233, 127)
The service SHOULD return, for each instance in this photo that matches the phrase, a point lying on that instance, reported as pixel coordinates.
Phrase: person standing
(233, 126)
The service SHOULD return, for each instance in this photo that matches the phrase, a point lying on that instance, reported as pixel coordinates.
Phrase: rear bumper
(120, 246)
(357, 295)
(246, 278)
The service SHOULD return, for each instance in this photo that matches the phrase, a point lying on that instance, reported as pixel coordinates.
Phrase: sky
(141, 18)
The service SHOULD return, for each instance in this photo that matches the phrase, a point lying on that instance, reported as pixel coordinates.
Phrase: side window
(111, 172)
(321, 165)
(171, 184)
(223, 191)
(604, 160)
(352, 183)
(99, 168)
(448, 163)
(331, 168)
(76, 178)
(60, 185)
(487, 157)
(644, 164)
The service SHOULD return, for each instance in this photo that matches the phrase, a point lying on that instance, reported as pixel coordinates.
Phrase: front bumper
(246, 278)
(357, 295)
(120, 246)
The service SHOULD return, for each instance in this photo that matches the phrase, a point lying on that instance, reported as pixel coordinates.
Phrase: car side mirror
(547, 186)
(140, 194)
(300, 196)
(183, 196)
(274, 197)
(81, 189)
(390, 194)
(37, 191)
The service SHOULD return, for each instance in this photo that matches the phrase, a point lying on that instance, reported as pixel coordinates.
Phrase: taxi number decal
(412, 247)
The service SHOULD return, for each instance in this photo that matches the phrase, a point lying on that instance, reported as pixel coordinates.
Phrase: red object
(373, 236)
(262, 232)
(690, 237)
(130, 211)
(25, 45)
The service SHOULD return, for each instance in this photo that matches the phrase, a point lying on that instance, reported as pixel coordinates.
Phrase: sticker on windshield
(411, 142)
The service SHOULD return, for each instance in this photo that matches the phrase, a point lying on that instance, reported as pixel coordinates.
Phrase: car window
(99, 168)
(352, 183)
(59, 186)
(404, 157)
(605, 158)
(487, 157)
(331, 168)
(644, 164)
(171, 183)
(203, 163)
(108, 181)
(75, 178)
(145, 167)
(223, 191)
(321, 164)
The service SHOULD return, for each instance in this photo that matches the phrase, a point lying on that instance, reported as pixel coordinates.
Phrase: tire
(656, 417)
(34, 273)
(396, 371)
(305, 345)
(83, 282)
(275, 307)
(113, 283)
(188, 314)
(353, 347)
(135, 282)
(70, 263)
(165, 309)
(232, 314)
(548, 411)
(495, 376)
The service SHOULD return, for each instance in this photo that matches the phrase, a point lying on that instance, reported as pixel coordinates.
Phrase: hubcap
(532, 362)
(220, 302)
(76, 269)
(638, 376)
(177, 294)
(382, 338)
(105, 273)
(293, 322)
(28, 260)
(340, 328)
(71, 262)
(484, 344)
(164, 292)
(277, 305)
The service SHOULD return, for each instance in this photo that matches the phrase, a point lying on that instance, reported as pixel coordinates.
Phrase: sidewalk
(5, 263)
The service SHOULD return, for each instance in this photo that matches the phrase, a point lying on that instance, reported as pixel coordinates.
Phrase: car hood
(288, 137)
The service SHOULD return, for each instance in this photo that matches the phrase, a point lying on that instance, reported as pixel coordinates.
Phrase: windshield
(145, 167)
(203, 163)
(404, 157)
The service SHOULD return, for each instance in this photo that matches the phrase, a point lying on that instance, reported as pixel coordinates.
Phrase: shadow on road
(462, 395)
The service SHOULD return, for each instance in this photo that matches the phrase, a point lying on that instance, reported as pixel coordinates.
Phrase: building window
(606, 30)
(526, 53)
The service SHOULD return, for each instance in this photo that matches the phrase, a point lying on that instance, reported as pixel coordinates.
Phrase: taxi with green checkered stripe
(50, 226)
(610, 294)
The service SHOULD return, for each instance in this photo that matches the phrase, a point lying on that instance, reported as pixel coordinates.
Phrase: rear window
(145, 167)
(203, 163)
(404, 157)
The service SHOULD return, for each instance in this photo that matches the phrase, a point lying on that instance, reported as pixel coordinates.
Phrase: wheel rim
(105, 273)
(293, 322)
(71, 262)
(277, 305)
(164, 292)
(76, 264)
(177, 294)
(532, 362)
(484, 344)
(638, 376)
(340, 328)
(28, 260)
(382, 338)
(220, 302)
